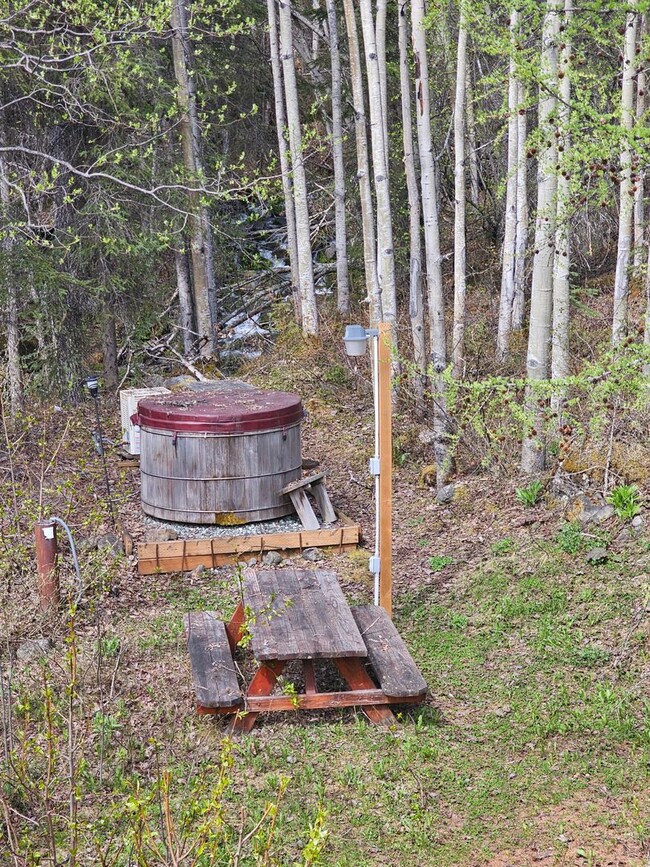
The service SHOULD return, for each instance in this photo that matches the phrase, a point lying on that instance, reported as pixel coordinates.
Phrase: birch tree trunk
(416, 305)
(429, 197)
(521, 235)
(471, 139)
(380, 38)
(508, 253)
(14, 377)
(460, 203)
(309, 311)
(283, 153)
(378, 140)
(201, 249)
(626, 201)
(640, 251)
(533, 456)
(184, 287)
(363, 165)
(342, 279)
(562, 263)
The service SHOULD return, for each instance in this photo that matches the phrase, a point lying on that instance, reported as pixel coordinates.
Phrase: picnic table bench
(300, 614)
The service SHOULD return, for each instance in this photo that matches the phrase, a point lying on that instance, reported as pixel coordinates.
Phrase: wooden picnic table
(300, 614)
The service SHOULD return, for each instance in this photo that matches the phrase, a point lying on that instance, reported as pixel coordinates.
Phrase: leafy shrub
(529, 495)
(626, 500)
(569, 538)
(438, 562)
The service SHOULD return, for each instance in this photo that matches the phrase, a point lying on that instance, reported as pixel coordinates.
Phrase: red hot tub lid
(233, 410)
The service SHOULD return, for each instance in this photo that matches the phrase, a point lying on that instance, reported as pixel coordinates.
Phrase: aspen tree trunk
(14, 377)
(562, 264)
(521, 235)
(508, 252)
(541, 303)
(640, 251)
(471, 140)
(416, 300)
(626, 206)
(283, 152)
(460, 200)
(342, 279)
(380, 37)
(201, 248)
(184, 287)
(429, 198)
(309, 311)
(363, 165)
(378, 140)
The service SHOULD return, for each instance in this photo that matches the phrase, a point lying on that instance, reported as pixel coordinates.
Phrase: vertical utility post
(49, 595)
(385, 469)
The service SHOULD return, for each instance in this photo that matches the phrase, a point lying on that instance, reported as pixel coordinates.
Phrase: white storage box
(129, 398)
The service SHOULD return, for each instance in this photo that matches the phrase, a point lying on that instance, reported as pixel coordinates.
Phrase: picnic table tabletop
(299, 614)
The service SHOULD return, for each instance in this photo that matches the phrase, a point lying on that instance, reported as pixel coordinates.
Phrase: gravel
(290, 524)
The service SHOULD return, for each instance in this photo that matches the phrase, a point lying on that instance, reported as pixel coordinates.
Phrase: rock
(596, 555)
(446, 494)
(564, 484)
(110, 542)
(33, 648)
(252, 561)
(272, 558)
(162, 534)
(582, 508)
(313, 555)
(603, 514)
(197, 573)
(427, 437)
(638, 522)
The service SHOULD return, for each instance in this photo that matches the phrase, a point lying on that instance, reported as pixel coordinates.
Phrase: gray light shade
(355, 340)
(92, 384)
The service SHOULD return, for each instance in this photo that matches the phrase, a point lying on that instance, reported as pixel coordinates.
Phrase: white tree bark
(201, 248)
(541, 302)
(380, 38)
(640, 251)
(521, 235)
(342, 279)
(416, 300)
(429, 198)
(626, 202)
(560, 367)
(283, 152)
(460, 207)
(378, 139)
(309, 312)
(14, 377)
(508, 251)
(471, 139)
(363, 165)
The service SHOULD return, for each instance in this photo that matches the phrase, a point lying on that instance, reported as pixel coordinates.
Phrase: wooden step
(398, 675)
(213, 670)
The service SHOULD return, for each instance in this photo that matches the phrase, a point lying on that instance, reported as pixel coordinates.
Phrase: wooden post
(385, 470)
(49, 595)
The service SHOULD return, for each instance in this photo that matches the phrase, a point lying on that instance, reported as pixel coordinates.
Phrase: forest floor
(533, 747)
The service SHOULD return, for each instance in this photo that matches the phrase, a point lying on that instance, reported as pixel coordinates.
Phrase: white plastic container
(129, 398)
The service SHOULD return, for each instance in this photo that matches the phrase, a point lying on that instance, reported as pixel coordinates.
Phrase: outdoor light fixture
(356, 339)
(380, 466)
(92, 384)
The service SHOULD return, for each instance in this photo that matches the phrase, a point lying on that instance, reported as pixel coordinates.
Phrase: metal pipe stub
(49, 594)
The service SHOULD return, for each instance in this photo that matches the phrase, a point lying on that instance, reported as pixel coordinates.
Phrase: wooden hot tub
(219, 457)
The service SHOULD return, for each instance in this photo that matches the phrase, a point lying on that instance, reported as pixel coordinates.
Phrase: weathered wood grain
(300, 614)
(398, 675)
(213, 670)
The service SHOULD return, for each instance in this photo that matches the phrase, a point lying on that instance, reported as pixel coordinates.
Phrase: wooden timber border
(183, 555)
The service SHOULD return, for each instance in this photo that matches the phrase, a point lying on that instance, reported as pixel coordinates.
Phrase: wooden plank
(213, 670)
(304, 510)
(357, 678)
(180, 564)
(316, 701)
(262, 684)
(315, 621)
(305, 482)
(155, 557)
(398, 675)
(234, 627)
(321, 496)
(385, 469)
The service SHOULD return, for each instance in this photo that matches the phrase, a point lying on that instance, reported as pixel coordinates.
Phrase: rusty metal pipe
(49, 594)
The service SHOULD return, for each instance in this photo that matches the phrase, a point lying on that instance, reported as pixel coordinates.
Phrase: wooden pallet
(183, 555)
